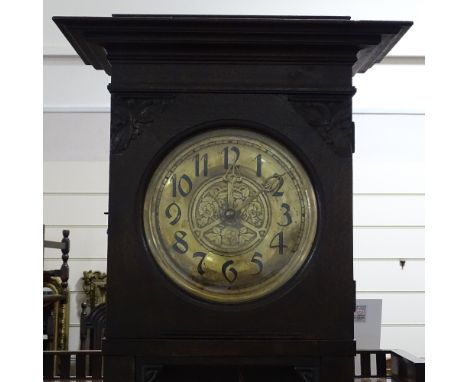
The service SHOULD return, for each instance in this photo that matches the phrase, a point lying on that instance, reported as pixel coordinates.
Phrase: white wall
(389, 159)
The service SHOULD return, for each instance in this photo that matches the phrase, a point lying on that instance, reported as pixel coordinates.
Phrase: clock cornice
(104, 41)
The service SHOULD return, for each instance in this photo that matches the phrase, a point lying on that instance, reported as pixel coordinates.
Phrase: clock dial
(230, 215)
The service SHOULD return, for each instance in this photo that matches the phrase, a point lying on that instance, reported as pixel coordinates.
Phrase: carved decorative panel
(331, 119)
(130, 117)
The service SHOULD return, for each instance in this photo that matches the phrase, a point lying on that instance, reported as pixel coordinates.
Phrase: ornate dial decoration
(223, 217)
(230, 216)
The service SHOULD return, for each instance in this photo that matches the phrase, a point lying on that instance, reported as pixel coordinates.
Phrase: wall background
(389, 160)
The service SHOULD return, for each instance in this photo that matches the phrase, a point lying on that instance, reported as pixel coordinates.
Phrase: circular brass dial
(230, 215)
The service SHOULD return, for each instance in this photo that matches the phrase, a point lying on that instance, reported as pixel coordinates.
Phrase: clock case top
(287, 77)
(104, 41)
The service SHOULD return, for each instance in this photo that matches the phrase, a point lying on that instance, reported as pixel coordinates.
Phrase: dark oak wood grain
(286, 77)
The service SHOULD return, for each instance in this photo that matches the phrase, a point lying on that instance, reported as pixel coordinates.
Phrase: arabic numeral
(204, 159)
(286, 213)
(226, 155)
(180, 245)
(184, 186)
(281, 246)
(277, 191)
(227, 267)
(200, 264)
(259, 164)
(169, 214)
(257, 259)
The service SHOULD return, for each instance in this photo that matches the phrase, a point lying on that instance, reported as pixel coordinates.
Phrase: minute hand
(270, 184)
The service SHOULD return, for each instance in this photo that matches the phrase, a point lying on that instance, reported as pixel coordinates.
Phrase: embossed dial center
(227, 216)
(229, 213)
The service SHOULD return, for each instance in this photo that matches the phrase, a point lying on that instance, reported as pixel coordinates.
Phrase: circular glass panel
(230, 215)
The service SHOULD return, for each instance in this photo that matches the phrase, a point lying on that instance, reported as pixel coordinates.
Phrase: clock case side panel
(317, 305)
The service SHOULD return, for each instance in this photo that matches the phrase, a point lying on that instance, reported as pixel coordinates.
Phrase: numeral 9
(169, 214)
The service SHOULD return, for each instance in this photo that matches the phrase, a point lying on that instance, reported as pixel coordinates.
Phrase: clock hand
(230, 199)
(267, 186)
(231, 173)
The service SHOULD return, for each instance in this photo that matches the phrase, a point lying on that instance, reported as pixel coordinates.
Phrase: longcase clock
(230, 195)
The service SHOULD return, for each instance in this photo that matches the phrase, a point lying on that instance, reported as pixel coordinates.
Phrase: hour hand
(230, 176)
(230, 197)
(231, 173)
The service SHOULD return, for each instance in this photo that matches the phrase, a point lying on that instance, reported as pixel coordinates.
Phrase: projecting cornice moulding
(50, 109)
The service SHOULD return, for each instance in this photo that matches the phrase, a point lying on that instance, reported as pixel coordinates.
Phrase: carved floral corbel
(331, 119)
(130, 117)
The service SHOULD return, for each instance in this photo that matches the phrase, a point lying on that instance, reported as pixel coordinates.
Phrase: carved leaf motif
(150, 374)
(130, 117)
(332, 120)
(308, 374)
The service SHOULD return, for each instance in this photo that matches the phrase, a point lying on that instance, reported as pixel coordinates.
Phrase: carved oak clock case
(230, 195)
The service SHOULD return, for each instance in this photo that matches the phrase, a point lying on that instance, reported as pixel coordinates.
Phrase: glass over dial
(230, 215)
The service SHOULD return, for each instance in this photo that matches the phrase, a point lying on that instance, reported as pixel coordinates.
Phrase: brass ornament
(95, 287)
(230, 215)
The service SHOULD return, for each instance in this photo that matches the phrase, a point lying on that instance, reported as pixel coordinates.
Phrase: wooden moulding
(102, 41)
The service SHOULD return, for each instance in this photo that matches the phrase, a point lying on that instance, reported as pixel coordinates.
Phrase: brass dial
(230, 215)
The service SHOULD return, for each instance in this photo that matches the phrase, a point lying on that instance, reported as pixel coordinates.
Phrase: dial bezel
(255, 292)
